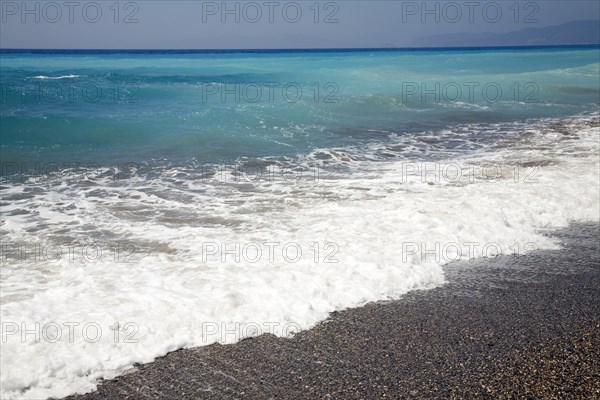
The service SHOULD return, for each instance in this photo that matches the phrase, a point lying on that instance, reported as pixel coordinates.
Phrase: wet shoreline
(516, 326)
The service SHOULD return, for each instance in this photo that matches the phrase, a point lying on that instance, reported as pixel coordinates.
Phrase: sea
(159, 200)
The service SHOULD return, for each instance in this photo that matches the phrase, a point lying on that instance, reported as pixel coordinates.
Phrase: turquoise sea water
(107, 108)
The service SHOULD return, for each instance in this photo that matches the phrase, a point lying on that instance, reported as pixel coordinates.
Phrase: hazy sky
(194, 24)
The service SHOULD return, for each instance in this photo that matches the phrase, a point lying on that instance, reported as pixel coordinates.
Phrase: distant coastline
(303, 50)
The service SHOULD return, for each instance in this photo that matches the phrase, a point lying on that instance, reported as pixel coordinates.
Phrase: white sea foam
(55, 77)
(174, 297)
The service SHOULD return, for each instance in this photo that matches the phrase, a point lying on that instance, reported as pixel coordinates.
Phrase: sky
(195, 24)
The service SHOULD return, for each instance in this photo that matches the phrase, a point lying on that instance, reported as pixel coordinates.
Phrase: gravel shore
(511, 327)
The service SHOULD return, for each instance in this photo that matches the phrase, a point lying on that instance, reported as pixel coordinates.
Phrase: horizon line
(294, 50)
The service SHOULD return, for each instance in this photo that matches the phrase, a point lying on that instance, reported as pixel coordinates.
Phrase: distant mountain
(577, 32)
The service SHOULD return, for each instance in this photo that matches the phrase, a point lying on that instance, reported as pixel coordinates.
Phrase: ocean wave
(176, 292)
(55, 77)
